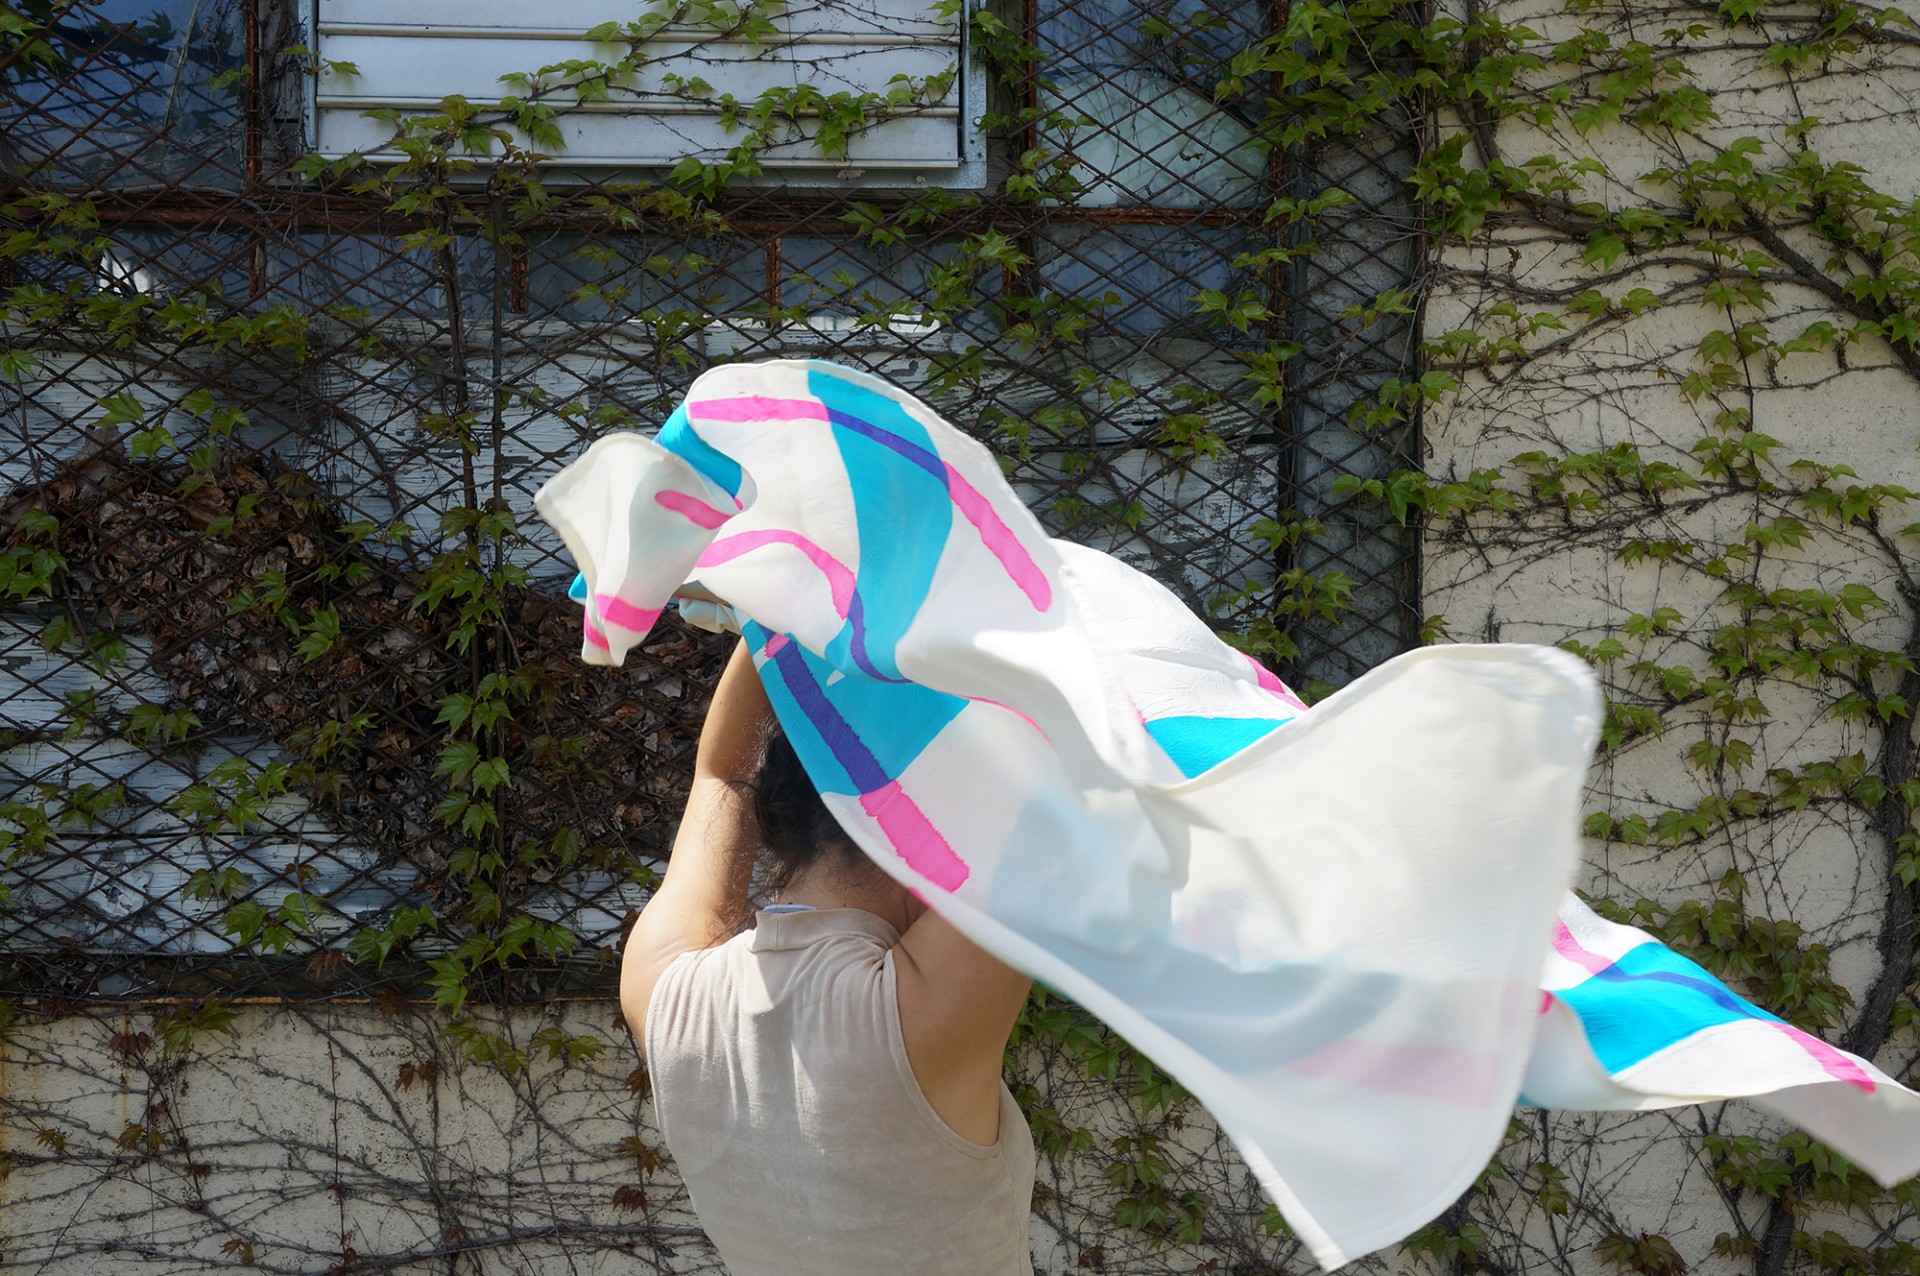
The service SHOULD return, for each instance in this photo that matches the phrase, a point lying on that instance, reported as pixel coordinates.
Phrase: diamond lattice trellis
(176, 759)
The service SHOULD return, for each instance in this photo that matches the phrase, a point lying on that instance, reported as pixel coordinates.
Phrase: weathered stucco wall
(1554, 575)
(310, 1135)
(315, 1134)
(343, 1137)
(1553, 570)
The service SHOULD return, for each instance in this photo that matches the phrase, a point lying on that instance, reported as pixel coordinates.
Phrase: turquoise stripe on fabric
(903, 512)
(1199, 744)
(847, 728)
(1649, 999)
(677, 436)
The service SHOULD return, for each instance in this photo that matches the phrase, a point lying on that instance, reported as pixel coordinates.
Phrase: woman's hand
(694, 590)
(704, 609)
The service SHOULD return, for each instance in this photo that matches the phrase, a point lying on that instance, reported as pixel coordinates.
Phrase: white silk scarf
(1330, 924)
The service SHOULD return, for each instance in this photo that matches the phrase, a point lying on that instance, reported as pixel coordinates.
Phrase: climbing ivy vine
(1593, 178)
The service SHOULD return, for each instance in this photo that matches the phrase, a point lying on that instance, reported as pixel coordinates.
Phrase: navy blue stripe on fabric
(857, 640)
(925, 458)
(1627, 1020)
(847, 749)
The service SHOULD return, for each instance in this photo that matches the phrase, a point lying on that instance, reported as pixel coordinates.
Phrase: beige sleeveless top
(781, 1083)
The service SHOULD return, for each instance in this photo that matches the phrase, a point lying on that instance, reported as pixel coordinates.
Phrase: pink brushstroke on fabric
(1016, 713)
(1273, 685)
(696, 510)
(920, 844)
(999, 539)
(1834, 1062)
(993, 530)
(775, 644)
(839, 578)
(618, 611)
(1567, 946)
(593, 635)
(756, 408)
(1466, 1078)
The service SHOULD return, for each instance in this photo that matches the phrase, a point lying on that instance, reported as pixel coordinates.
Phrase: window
(845, 92)
(130, 93)
(192, 753)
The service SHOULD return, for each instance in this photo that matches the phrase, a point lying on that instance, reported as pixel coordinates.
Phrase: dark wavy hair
(797, 832)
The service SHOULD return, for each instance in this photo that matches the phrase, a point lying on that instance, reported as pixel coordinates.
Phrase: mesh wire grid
(197, 801)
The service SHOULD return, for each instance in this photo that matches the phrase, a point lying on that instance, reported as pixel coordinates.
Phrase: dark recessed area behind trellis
(175, 120)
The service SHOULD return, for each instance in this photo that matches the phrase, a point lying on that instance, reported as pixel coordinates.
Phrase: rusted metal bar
(335, 215)
(361, 428)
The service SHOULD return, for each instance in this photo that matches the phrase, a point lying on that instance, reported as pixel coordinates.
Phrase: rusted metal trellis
(250, 415)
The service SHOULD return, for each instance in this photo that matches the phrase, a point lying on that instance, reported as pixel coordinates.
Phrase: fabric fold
(1329, 924)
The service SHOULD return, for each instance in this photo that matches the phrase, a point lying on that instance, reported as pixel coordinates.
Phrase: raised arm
(702, 898)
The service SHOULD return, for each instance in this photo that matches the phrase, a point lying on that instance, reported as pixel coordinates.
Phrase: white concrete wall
(295, 1136)
(1549, 576)
(298, 1129)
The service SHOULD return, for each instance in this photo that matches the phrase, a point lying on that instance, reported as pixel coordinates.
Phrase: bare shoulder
(957, 1004)
(662, 934)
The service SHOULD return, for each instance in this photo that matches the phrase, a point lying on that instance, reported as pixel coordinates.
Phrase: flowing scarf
(1344, 928)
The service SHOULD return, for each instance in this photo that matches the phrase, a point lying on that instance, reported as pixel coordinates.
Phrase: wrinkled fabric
(1329, 924)
(1628, 1025)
